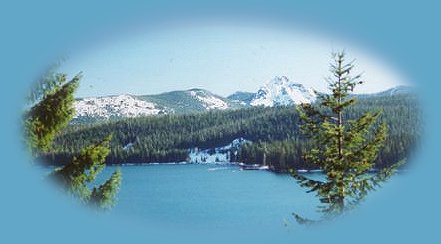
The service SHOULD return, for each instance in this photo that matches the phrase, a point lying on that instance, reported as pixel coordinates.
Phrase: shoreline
(234, 164)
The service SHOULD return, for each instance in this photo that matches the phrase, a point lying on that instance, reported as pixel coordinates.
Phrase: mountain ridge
(279, 91)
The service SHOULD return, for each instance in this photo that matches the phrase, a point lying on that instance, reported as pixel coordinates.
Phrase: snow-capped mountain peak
(282, 91)
(279, 91)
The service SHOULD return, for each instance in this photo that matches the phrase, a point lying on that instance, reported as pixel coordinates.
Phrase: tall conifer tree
(345, 149)
(52, 100)
(82, 171)
(51, 113)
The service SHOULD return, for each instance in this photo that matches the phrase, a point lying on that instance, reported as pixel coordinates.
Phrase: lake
(213, 196)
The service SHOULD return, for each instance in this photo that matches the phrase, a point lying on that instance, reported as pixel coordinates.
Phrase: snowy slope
(282, 91)
(127, 106)
(114, 106)
(208, 100)
(398, 90)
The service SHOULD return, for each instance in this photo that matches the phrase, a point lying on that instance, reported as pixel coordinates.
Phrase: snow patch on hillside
(216, 155)
(209, 101)
(114, 106)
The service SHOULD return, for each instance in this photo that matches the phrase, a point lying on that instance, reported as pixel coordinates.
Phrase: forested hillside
(400, 112)
(274, 132)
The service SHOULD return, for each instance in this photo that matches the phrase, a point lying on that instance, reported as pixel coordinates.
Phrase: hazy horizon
(202, 88)
(221, 58)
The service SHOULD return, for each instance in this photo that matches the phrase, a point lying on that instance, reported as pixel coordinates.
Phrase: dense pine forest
(274, 134)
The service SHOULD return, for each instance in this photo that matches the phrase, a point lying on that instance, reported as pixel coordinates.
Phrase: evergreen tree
(104, 195)
(52, 107)
(48, 116)
(344, 149)
(77, 175)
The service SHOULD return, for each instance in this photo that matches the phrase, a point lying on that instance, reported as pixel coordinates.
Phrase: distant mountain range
(279, 91)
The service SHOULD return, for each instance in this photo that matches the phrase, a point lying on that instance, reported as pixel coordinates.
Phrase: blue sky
(222, 58)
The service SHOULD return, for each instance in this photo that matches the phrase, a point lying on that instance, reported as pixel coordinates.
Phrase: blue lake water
(213, 196)
(210, 197)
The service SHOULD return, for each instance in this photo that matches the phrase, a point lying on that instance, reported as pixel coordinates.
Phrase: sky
(222, 58)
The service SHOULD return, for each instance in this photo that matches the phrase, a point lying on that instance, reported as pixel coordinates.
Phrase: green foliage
(83, 169)
(104, 195)
(77, 175)
(278, 155)
(167, 138)
(52, 110)
(400, 113)
(47, 117)
(345, 149)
